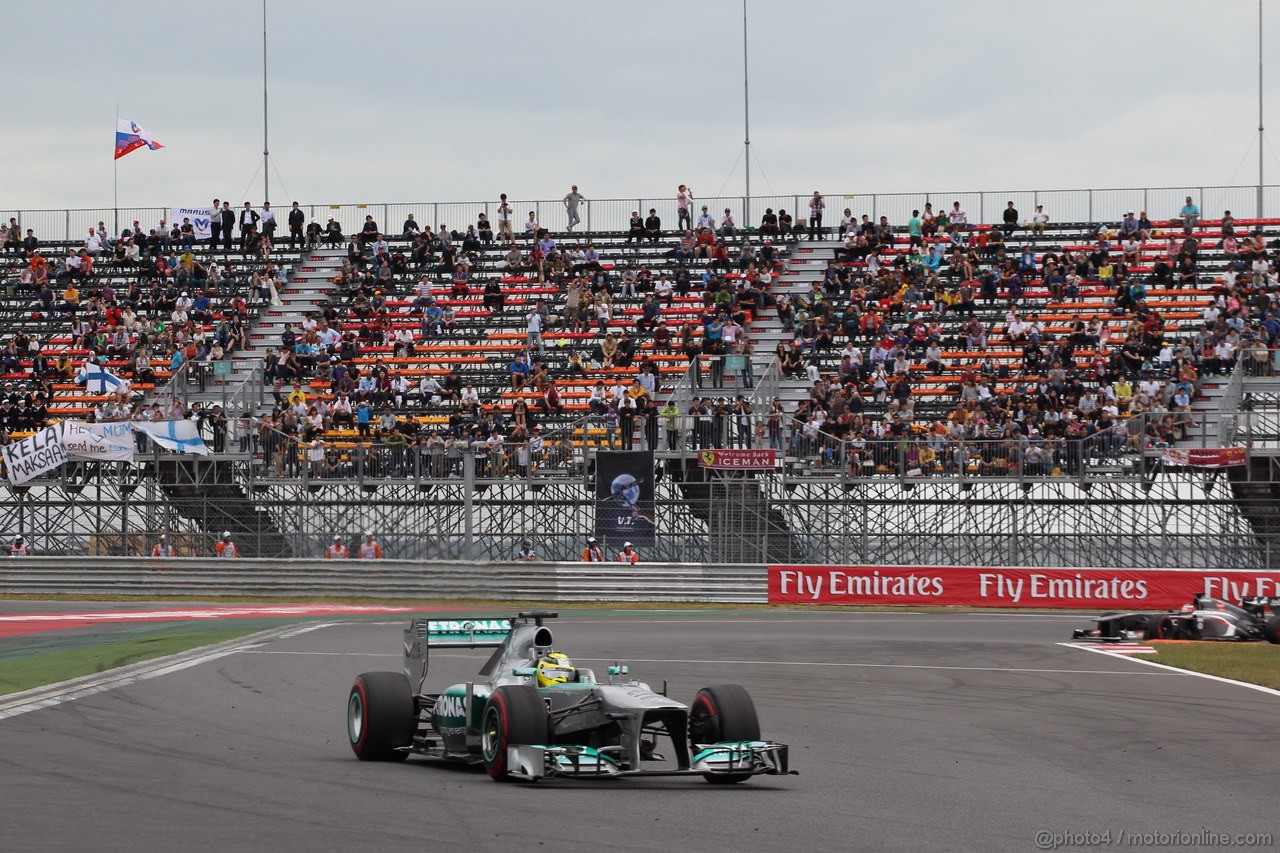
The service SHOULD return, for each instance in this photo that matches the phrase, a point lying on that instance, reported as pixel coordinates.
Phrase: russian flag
(131, 137)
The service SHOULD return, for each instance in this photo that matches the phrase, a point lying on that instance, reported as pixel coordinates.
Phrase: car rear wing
(459, 632)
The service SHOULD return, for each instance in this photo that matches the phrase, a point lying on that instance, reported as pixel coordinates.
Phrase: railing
(1071, 205)
(217, 382)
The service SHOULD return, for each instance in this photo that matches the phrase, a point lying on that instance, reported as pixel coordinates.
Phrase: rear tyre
(514, 715)
(381, 717)
(724, 713)
(1151, 631)
(1271, 630)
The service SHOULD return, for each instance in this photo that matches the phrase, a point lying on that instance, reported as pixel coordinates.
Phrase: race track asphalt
(929, 731)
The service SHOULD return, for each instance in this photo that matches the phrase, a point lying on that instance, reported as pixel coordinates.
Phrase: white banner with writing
(199, 217)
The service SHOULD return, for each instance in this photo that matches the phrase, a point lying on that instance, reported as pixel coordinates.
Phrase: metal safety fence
(613, 214)
(400, 579)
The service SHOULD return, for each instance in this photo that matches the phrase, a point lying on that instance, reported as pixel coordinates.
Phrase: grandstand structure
(983, 395)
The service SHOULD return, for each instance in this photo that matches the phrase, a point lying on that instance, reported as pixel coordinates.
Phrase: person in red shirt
(628, 554)
(162, 548)
(592, 553)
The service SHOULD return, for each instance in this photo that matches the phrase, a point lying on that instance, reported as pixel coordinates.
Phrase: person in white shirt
(504, 219)
(403, 342)
(531, 225)
(706, 220)
(728, 225)
(1039, 220)
(399, 388)
(430, 389)
(471, 398)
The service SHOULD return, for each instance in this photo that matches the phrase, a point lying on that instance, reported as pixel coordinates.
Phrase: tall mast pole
(266, 197)
(746, 116)
(1260, 137)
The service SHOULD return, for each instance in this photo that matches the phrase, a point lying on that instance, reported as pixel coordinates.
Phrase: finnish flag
(98, 380)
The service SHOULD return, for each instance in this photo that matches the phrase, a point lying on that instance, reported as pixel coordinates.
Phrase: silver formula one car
(520, 727)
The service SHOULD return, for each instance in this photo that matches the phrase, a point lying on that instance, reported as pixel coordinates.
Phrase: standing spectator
(19, 548)
(526, 554)
(816, 205)
(268, 217)
(592, 553)
(533, 335)
(226, 549)
(628, 554)
(571, 202)
(336, 550)
(162, 548)
(670, 414)
(504, 219)
(248, 221)
(215, 224)
(227, 219)
(369, 548)
(1010, 220)
(684, 196)
(1190, 215)
(296, 220)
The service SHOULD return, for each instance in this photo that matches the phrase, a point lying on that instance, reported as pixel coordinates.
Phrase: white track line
(839, 664)
(52, 695)
(1176, 670)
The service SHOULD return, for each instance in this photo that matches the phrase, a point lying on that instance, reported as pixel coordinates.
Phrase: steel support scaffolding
(1178, 518)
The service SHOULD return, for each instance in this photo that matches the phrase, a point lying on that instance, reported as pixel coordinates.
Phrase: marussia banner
(109, 441)
(199, 216)
(1204, 457)
(35, 454)
(763, 459)
(1095, 589)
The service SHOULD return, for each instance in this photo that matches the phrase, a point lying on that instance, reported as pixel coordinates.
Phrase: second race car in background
(1206, 618)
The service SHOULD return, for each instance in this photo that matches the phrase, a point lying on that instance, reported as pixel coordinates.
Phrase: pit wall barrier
(952, 586)
(1088, 589)
(397, 579)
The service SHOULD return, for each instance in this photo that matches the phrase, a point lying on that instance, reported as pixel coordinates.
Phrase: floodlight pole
(746, 117)
(266, 196)
(115, 183)
(1260, 136)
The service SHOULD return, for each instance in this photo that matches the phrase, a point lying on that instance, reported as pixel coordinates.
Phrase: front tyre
(381, 718)
(723, 714)
(1271, 630)
(514, 715)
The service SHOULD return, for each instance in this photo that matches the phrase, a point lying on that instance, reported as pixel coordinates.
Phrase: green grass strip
(1256, 663)
(24, 671)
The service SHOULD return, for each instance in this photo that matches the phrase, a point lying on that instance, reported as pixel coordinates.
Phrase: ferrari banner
(1204, 457)
(1094, 589)
(763, 459)
(624, 498)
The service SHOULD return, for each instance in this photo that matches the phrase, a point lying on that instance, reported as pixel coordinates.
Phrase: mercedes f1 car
(1206, 618)
(521, 727)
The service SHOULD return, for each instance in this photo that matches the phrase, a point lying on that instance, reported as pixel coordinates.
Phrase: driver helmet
(555, 668)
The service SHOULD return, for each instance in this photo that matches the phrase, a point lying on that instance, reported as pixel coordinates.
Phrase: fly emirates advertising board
(1120, 589)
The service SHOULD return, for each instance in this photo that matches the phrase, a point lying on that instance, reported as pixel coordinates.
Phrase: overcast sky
(418, 100)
